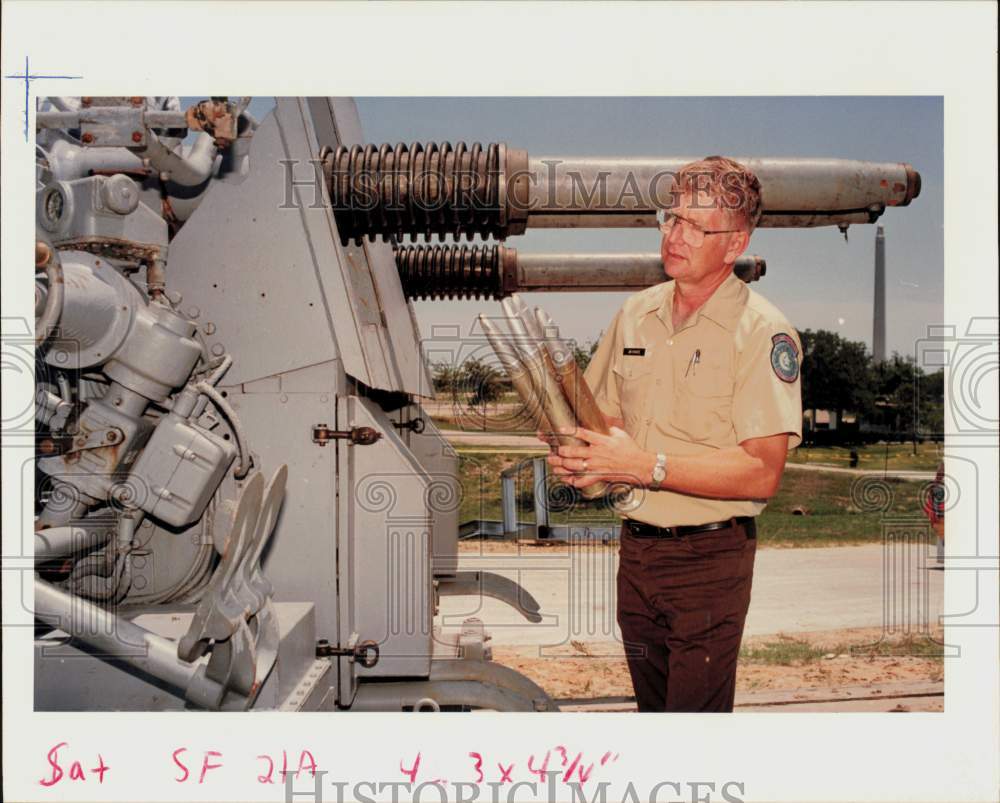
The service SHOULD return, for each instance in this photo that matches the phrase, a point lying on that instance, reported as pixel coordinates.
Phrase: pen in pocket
(693, 363)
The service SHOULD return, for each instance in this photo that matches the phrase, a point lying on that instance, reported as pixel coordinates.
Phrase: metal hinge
(359, 436)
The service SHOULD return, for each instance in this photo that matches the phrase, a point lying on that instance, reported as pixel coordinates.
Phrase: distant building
(827, 420)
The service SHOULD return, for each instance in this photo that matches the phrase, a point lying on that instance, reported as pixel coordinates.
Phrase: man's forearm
(730, 473)
(750, 470)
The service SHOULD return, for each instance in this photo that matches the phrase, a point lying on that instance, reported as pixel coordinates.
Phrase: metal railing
(542, 528)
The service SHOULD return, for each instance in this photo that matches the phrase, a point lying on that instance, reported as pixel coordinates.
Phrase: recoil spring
(450, 271)
(424, 188)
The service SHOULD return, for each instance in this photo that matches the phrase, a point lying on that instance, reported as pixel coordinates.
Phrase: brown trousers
(682, 603)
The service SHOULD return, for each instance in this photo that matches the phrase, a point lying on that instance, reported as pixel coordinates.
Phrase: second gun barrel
(443, 272)
(606, 272)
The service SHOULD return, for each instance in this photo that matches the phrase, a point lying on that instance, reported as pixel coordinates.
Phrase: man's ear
(738, 243)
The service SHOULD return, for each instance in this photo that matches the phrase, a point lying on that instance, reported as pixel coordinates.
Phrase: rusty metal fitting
(42, 254)
(85, 102)
(137, 136)
(216, 117)
(87, 138)
(155, 278)
(912, 183)
(137, 101)
(364, 436)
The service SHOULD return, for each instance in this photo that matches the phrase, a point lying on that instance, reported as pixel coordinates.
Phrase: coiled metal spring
(423, 188)
(450, 271)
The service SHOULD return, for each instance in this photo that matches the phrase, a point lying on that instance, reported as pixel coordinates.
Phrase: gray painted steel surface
(384, 564)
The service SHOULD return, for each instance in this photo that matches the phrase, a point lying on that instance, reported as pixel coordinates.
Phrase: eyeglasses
(693, 234)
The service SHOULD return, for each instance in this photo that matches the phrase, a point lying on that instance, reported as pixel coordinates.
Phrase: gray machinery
(239, 500)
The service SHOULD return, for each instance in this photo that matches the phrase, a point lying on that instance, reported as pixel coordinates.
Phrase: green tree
(894, 390)
(447, 377)
(836, 373)
(930, 403)
(483, 382)
(915, 399)
(583, 353)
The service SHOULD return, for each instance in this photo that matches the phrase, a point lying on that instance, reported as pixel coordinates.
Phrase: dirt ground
(823, 664)
(580, 670)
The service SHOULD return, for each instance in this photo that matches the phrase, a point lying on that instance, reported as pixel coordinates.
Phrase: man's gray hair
(733, 185)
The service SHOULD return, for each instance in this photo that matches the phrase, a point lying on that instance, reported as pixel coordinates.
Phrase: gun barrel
(597, 192)
(606, 272)
(494, 271)
(496, 191)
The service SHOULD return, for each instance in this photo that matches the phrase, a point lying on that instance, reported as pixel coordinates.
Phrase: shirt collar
(724, 306)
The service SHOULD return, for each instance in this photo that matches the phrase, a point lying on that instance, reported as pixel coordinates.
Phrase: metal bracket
(359, 436)
(366, 653)
(68, 443)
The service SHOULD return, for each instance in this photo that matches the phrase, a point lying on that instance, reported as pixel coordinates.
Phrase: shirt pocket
(634, 376)
(703, 404)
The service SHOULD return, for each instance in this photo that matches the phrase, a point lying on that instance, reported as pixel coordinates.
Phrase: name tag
(634, 352)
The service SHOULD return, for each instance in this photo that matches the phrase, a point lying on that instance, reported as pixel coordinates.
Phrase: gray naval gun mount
(240, 502)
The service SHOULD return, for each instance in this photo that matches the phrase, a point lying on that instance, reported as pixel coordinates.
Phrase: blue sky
(813, 276)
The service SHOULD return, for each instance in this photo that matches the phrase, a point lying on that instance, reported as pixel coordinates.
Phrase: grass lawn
(834, 515)
(790, 651)
(894, 456)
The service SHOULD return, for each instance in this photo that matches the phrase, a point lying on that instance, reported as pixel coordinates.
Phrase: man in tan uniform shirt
(699, 380)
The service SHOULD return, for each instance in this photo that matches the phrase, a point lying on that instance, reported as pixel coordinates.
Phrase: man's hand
(751, 470)
(547, 438)
(550, 439)
(613, 458)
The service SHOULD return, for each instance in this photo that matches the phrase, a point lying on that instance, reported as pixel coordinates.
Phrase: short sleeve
(599, 374)
(768, 395)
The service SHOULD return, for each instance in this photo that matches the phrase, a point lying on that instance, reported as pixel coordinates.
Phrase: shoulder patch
(784, 357)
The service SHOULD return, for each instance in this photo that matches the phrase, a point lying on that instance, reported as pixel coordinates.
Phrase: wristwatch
(659, 470)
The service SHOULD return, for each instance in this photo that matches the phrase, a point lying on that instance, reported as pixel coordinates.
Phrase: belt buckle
(639, 529)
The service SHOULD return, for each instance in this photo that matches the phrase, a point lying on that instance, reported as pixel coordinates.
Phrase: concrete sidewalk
(493, 441)
(794, 590)
(920, 476)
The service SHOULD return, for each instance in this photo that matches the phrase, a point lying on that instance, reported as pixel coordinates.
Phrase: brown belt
(640, 529)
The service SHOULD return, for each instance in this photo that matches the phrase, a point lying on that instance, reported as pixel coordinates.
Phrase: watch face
(660, 469)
